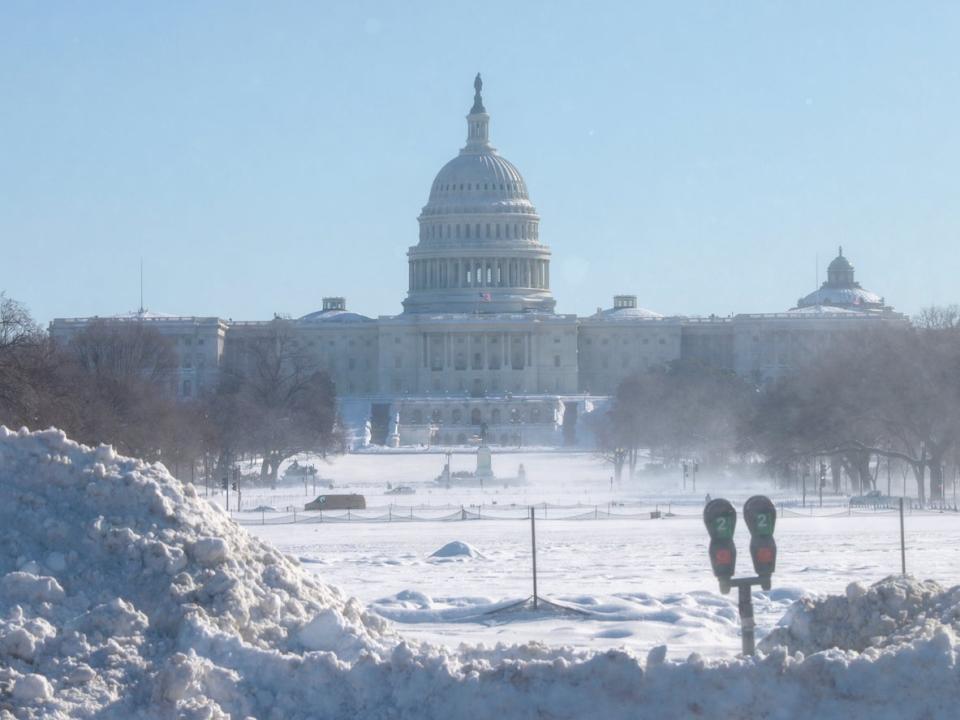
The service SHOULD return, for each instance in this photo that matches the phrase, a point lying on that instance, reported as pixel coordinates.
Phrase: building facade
(479, 344)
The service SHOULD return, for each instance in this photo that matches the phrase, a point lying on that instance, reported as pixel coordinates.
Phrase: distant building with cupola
(479, 344)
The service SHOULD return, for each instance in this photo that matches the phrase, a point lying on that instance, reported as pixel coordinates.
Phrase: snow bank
(889, 613)
(123, 595)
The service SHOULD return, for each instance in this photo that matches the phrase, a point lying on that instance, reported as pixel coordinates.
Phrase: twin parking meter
(721, 520)
(761, 517)
(720, 517)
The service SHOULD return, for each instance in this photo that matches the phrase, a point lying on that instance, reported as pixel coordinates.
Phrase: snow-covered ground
(637, 581)
(123, 594)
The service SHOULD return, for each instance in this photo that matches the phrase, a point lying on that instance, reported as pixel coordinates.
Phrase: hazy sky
(261, 155)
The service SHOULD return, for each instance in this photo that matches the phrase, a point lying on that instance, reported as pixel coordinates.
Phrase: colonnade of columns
(439, 273)
(477, 351)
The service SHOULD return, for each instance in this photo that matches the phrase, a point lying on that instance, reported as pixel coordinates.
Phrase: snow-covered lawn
(639, 582)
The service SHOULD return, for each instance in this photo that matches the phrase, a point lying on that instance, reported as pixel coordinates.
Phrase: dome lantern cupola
(840, 271)
(478, 122)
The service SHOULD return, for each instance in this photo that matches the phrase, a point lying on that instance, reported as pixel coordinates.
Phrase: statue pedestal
(484, 462)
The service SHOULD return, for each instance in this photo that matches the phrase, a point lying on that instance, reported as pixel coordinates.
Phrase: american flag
(484, 297)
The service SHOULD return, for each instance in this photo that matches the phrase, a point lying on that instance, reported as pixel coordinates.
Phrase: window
(556, 361)
(397, 362)
(456, 415)
(495, 416)
(475, 417)
(435, 416)
(351, 364)
(477, 361)
(187, 388)
(417, 417)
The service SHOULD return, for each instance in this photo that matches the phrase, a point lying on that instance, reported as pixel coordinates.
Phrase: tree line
(888, 395)
(115, 382)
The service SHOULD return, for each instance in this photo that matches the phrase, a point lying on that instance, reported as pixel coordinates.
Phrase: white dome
(474, 182)
(844, 297)
(634, 313)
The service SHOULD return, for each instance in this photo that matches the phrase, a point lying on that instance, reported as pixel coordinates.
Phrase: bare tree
(939, 317)
(123, 375)
(275, 401)
(681, 410)
(892, 393)
(31, 389)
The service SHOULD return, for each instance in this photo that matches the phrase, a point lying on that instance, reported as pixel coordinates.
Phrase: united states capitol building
(478, 341)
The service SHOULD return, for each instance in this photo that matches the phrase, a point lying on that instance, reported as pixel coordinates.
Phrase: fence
(542, 511)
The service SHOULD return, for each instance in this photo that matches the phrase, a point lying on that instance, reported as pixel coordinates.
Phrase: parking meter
(721, 520)
(761, 517)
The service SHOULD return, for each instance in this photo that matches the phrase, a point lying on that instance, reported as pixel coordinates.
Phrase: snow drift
(124, 595)
(456, 549)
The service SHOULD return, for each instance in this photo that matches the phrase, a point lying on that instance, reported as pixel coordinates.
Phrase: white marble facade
(479, 346)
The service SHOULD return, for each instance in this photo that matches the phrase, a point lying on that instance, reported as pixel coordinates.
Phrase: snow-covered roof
(335, 316)
(823, 310)
(850, 297)
(626, 313)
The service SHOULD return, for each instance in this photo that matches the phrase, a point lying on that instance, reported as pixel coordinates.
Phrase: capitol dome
(479, 249)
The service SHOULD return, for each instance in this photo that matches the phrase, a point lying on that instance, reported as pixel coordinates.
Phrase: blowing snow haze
(660, 417)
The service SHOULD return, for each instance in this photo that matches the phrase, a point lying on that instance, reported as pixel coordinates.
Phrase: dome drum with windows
(479, 248)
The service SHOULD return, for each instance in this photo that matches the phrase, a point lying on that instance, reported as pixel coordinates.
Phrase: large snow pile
(887, 614)
(124, 595)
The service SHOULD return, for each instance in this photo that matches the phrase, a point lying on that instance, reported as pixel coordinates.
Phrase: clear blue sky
(261, 155)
